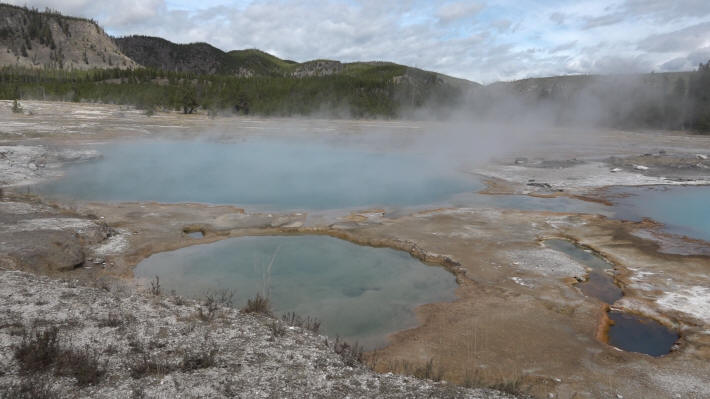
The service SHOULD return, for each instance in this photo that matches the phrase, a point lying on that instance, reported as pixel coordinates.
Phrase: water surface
(683, 210)
(640, 334)
(599, 284)
(360, 293)
(271, 173)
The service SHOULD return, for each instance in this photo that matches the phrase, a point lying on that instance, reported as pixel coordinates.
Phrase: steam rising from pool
(273, 173)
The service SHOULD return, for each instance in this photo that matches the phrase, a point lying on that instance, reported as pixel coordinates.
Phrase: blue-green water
(268, 173)
(683, 210)
(359, 293)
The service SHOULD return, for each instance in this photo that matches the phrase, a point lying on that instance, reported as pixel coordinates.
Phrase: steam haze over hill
(483, 41)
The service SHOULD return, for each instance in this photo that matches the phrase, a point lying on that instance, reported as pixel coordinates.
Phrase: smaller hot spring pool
(635, 333)
(361, 294)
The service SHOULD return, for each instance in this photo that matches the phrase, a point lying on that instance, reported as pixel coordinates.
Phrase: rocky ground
(62, 340)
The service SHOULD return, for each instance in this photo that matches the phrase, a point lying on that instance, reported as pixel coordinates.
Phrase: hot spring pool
(359, 293)
(683, 210)
(269, 173)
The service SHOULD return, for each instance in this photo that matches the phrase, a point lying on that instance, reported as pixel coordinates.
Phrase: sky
(483, 41)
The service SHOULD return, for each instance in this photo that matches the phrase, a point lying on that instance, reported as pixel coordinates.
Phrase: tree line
(357, 95)
(660, 102)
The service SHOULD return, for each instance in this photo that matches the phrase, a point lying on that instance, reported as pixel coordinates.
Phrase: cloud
(558, 18)
(116, 13)
(603, 20)
(690, 38)
(665, 10)
(564, 47)
(450, 12)
(502, 25)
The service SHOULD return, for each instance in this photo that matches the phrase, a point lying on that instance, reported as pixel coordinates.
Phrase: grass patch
(146, 365)
(309, 323)
(38, 350)
(113, 319)
(200, 359)
(82, 364)
(29, 388)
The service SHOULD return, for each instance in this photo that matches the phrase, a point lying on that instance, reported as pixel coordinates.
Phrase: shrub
(29, 388)
(82, 364)
(155, 288)
(352, 355)
(200, 359)
(259, 304)
(16, 107)
(38, 350)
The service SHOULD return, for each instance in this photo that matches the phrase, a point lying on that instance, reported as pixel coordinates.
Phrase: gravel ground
(116, 343)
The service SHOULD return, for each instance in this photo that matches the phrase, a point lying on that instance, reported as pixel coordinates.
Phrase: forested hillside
(35, 39)
(370, 93)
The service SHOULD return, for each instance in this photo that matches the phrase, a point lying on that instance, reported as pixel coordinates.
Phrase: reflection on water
(359, 293)
(583, 256)
(640, 334)
(267, 172)
(683, 210)
(600, 284)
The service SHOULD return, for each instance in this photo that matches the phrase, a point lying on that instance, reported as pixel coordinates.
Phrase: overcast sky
(481, 40)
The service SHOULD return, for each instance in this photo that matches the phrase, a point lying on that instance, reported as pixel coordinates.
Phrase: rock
(544, 186)
(318, 68)
(640, 167)
(32, 166)
(701, 156)
(521, 160)
(615, 170)
(45, 250)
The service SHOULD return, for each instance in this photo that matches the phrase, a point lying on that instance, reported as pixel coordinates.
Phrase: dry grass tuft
(38, 350)
(258, 304)
(309, 323)
(29, 388)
